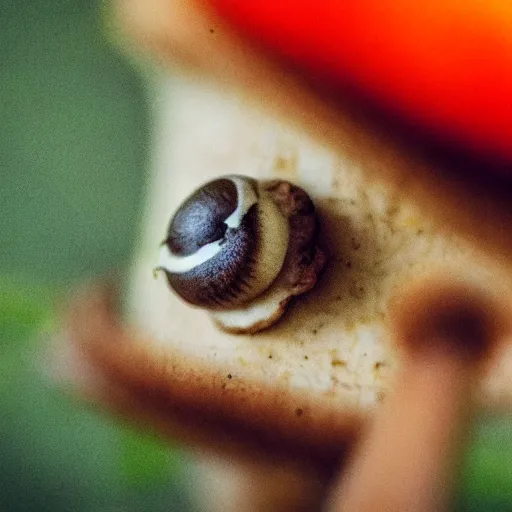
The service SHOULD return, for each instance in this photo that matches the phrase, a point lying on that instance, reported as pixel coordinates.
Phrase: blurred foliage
(74, 136)
(57, 455)
(73, 144)
(486, 478)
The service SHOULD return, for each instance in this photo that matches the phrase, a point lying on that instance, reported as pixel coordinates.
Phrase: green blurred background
(74, 143)
(74, 146)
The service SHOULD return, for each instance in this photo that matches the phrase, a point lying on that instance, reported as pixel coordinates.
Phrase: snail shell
(225, 244)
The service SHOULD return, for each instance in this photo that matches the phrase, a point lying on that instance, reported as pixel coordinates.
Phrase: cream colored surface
(333, 341)
(341, 326)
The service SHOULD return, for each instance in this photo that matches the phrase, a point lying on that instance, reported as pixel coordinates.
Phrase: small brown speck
(355, 244)
(223, 385)
(270, 356)
(314, 331)
(338, 362)
(299, 412)
(280, 163)
(349, 264)
(212, 31)
(306, 358)
(230, 376)
(420, 231)
(378, 365)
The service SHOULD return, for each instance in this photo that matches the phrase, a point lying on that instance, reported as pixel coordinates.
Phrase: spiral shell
(225, 244)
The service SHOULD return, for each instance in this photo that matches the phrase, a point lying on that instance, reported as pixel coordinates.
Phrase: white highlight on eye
(182, 264)
(246, 199)
(174, 264)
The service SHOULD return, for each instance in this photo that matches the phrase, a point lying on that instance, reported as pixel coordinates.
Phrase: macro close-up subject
(257, 256)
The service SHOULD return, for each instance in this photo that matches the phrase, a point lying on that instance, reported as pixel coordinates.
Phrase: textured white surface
(334, 340)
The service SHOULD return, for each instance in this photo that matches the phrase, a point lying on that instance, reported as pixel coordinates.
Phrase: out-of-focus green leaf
(146, 460)
(74, 145)
(486, 479)
(24, 308)
(55, 453)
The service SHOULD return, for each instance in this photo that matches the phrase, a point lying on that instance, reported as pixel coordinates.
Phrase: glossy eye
(225, 244)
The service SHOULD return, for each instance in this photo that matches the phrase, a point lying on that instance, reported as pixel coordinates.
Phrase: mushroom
(241, 249)
(151, 378)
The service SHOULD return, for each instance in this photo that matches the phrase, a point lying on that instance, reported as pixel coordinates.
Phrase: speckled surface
(333, 340)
